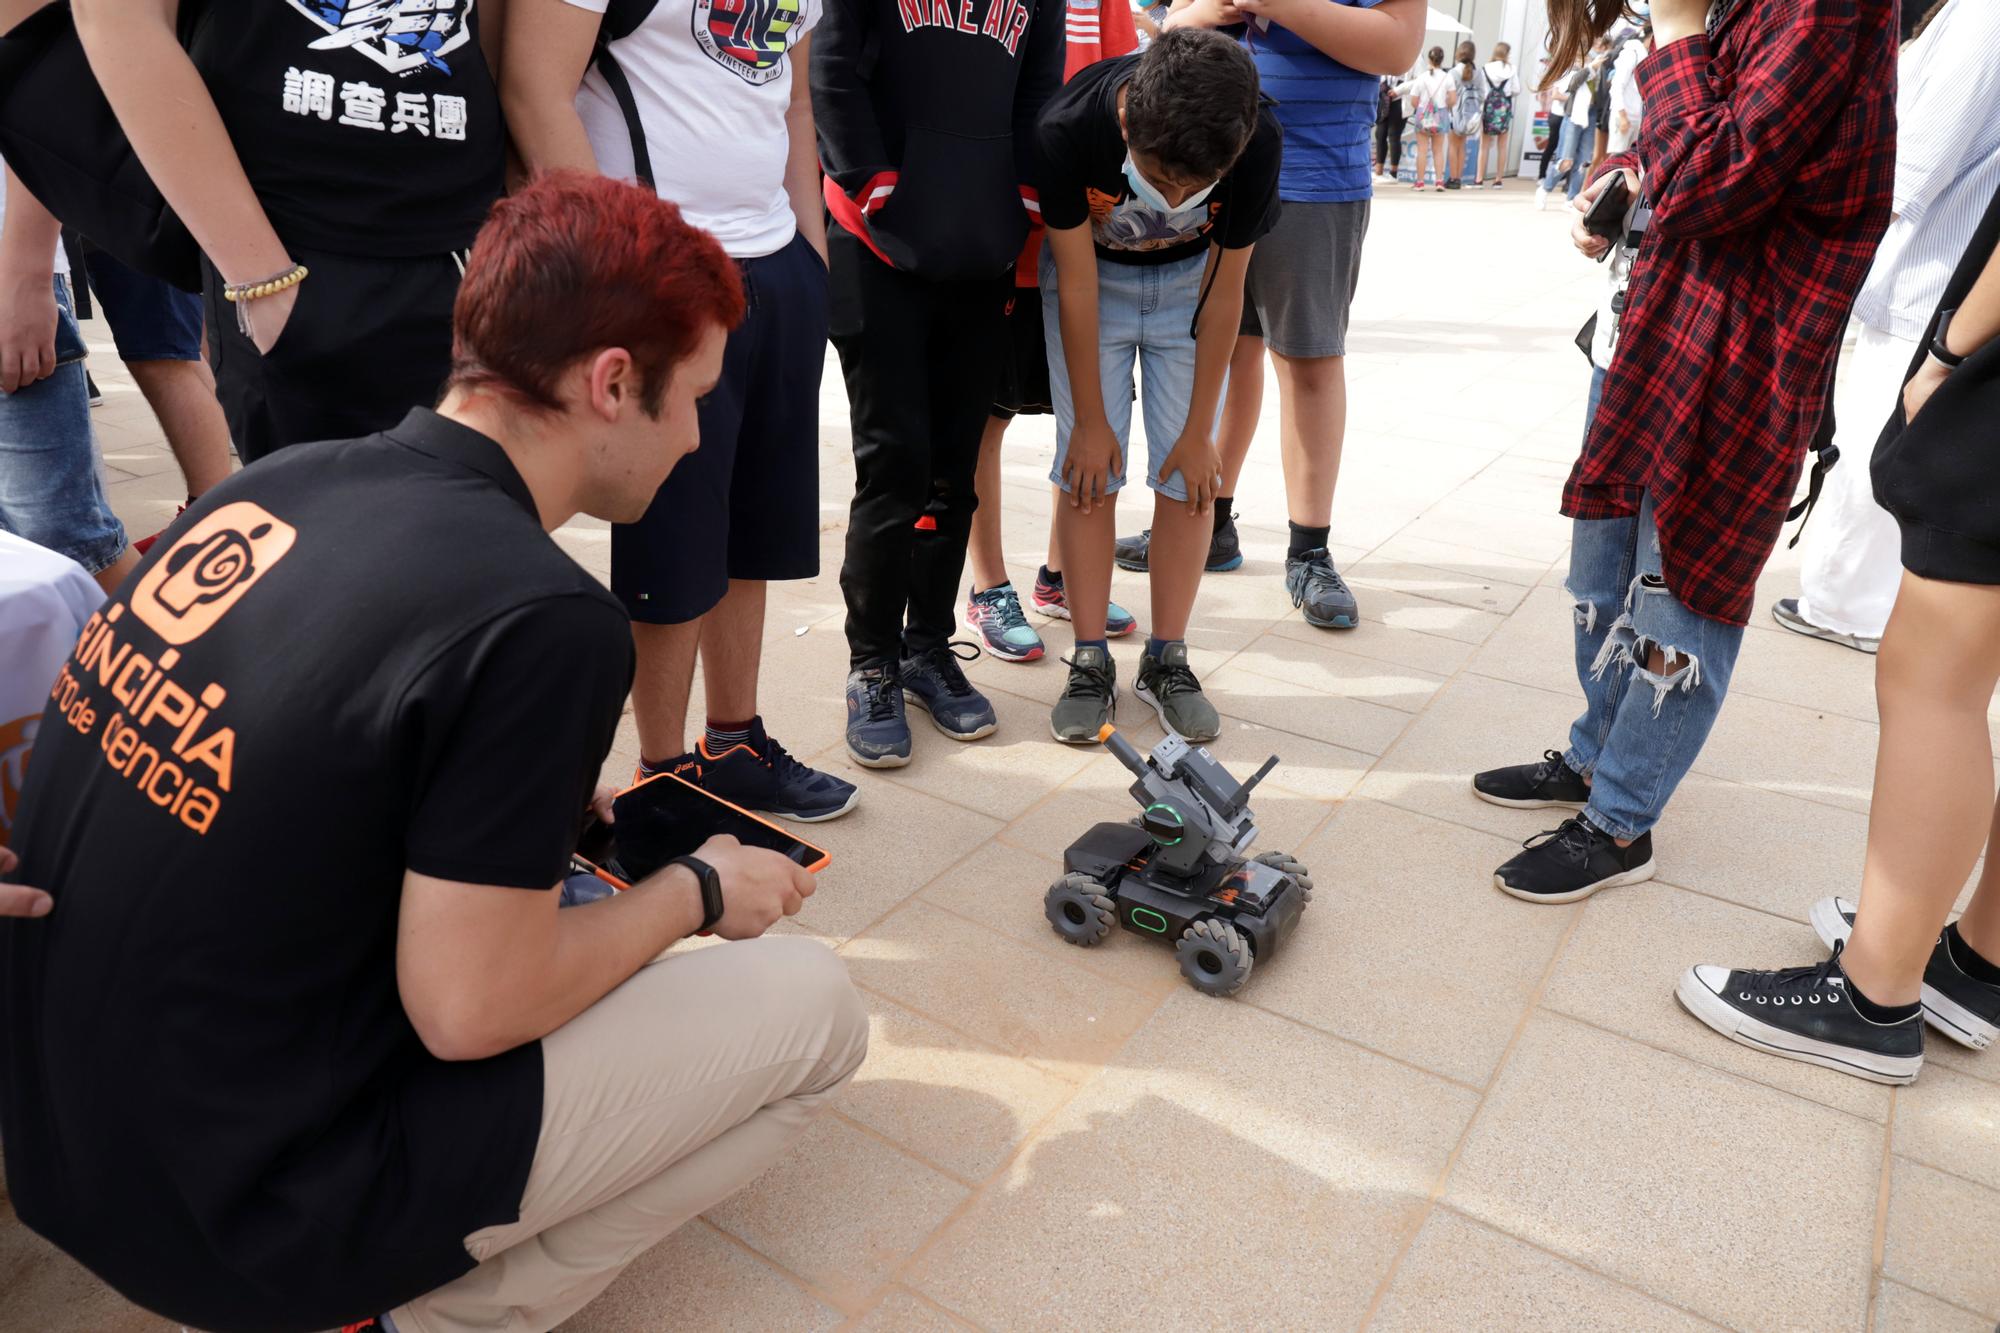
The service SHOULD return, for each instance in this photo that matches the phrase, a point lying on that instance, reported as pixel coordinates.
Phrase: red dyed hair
(574, 264)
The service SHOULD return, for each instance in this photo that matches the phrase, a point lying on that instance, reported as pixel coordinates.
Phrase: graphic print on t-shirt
(209, 569)
(402, 37)
(1127, 224)
(748, 38)
(398, 35)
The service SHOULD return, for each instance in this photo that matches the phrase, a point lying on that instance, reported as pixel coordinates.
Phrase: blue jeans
(50, 490)
(1640, 731)
(1571, 149)
(1145, 315)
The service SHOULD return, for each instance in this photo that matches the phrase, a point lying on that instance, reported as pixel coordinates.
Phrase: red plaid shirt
(1768, 151)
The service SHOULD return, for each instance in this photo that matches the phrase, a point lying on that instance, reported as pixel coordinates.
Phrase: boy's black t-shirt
(352, 658)
(1081, 155)
(367, 127)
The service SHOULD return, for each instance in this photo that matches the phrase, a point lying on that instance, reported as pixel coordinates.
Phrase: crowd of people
(303, 1023)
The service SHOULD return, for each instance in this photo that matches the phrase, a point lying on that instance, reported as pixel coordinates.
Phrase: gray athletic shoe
(1168, 684)
(1318, 590)
(1088, 701)
(1786, 613)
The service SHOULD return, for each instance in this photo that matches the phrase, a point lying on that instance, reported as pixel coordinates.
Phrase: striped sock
(721, 737)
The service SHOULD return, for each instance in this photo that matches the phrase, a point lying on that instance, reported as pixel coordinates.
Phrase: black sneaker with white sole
(1962, 1007)
(1568, 864)
(1534, 786)
(1804, 1013)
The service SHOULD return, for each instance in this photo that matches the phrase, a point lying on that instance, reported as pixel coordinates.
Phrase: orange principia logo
(209, 569)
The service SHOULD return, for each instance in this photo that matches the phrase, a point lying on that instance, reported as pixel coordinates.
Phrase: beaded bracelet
(239, 294)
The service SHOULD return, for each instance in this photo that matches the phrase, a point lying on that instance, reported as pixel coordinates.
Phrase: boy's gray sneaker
(1318, 590)
(1786, 613)
(1088, 701)
(1168, 684)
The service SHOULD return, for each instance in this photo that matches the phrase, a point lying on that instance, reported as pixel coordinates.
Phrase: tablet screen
(665, 817)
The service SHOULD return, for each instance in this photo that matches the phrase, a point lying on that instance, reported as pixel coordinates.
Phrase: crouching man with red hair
(300, 1037)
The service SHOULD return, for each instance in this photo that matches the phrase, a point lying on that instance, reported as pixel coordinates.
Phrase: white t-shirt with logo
(712, 80)
(62, 259)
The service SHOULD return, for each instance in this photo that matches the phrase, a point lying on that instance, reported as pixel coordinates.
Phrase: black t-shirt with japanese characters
(1080, 154)
(353, 658)
(367, 127)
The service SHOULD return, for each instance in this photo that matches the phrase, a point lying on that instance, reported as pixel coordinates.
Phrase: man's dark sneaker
(934, 681)
(1786, 612)
(1318, 590)
(1052, 600)
(878, 733)
(1567, 864)
(1804, 1013)
(1088, 701)
(759, 774)
(1225, 550)
(995, 616)
(1534, 786)
(1961, 1007)
(1168, 684)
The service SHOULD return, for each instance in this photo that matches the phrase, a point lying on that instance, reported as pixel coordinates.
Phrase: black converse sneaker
(1804, 1013)
(1534, 786)
(1564, 865)
(1962, 1007)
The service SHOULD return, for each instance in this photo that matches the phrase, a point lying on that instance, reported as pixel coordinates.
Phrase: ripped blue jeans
(1640, 731)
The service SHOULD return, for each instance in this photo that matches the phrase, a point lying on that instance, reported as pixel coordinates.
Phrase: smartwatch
(711, 890)
(1949, 359)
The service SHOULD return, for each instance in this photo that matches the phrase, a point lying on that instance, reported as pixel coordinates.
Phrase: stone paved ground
(1441, 1107)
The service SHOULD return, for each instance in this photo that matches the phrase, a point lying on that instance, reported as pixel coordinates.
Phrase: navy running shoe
(935, 683)
(1318, 590)
(878, 733)
(760, 774)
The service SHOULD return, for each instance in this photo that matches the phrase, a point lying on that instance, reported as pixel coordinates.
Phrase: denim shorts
(1145, 314)
(151, 320)
(50, 489)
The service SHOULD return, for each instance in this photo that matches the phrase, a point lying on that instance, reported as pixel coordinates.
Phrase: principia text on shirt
(158, 734)
(1005, 20)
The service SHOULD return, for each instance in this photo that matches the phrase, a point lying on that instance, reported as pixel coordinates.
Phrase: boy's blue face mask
(1149, 194)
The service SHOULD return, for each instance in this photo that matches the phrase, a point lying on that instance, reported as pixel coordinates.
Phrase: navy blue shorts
(150, 320)
(745, 505)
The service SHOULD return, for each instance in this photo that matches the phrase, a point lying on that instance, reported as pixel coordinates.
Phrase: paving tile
(904, 1311)
(1471, 1277)
(894, 842)
(1485, 591)
(699, 1278)
(1310, 768)
(1940, 1237)
(1949, 1121)
(841, 1210)
(1455, 556)
(1800, 751)
(1224, 1142)
(942, 1096)
(1389, 633)
(43, 1289)
(1709, 830)
(1000, 776)
(1326, 667)
(1898, 1309)
(1370, 963)
(1614, 973)
(1794, 669)
(1524, 537)
(1641, 1165)
(1016, 998)
(1537, 645)
(1306, 710)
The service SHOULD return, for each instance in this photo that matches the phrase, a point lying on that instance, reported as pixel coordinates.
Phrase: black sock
(1223, 514)
(1878, 1013)
(1052, 577)
(1968, 959)
(1306, 539)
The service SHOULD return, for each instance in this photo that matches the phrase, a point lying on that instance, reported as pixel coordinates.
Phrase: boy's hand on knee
(1092, 460)
(1195, 457)
(758, 886)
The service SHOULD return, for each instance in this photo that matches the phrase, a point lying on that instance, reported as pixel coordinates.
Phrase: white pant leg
(1852, 552)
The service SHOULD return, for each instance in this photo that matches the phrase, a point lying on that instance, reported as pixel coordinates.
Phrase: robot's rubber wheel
(1079, 910)
(1287, 864)
(1215, 958)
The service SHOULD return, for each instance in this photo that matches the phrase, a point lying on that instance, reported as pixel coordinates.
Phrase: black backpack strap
(1825, 453)
(621, 19)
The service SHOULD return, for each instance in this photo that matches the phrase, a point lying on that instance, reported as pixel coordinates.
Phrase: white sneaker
(1541, 198)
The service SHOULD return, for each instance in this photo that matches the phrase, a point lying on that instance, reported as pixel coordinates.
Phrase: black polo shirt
(351, 658)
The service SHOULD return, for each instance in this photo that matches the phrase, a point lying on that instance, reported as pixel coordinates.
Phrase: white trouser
(1852, 552)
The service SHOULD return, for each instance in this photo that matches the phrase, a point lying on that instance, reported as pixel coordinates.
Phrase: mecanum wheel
(1287, 864)
(1215, 958)
(1078, 909)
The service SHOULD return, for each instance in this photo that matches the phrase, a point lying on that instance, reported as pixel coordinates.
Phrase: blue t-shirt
(1327, 110)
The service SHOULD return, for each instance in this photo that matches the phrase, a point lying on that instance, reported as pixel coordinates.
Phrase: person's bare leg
(1312, 425)
(1055, 544)
(1242, 407)
(1980, 926)
(1457, 158)
(1180, 549)
(984, 553)
(661, 684)
(1933, 800)
(182, 396)
(1085, 541)
(732, 651)
(113, 575)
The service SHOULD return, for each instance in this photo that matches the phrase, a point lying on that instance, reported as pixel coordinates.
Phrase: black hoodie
(925, 111)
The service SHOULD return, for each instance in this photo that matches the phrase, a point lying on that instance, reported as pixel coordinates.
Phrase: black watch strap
(711, 889)
(1950, 359)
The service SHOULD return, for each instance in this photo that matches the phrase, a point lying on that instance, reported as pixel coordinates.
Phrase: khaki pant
(659, 1101)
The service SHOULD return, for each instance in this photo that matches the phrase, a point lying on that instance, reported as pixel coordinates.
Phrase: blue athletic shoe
(878, 733)
(995, 615)
(934, 682)
(1052, 600)
(759, 774)
(1318, 590)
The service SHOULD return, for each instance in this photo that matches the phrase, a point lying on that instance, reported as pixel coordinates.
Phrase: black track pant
(920, 358)
(1389, 142)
